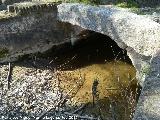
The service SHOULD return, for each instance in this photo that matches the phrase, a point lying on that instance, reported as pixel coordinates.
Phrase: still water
(100, 75)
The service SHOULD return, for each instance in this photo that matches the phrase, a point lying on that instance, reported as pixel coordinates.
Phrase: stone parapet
(30, 7)
(30, 29)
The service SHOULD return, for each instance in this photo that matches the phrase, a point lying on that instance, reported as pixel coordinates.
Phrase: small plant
(127, 4)
(145, 70)
(96, 2)
(92, 2)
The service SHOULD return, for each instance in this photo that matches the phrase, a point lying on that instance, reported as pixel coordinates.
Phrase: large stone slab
(33, 30)
(140, 33)
(148, 107)
(32, 27)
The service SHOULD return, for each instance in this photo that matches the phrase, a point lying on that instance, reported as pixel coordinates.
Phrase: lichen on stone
(3, 52)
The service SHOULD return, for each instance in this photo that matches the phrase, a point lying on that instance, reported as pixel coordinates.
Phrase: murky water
(100, 75)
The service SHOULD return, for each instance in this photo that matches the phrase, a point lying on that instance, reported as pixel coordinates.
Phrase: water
(98, 58)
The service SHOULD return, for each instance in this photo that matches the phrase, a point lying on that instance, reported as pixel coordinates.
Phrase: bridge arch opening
(90, 47)
(95, 56)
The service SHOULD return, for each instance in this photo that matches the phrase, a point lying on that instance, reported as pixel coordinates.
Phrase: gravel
(32, 92)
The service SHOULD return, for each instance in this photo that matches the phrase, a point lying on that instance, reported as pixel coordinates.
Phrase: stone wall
(37, 31)
(4, 3)
(9, 2)
(31, 7)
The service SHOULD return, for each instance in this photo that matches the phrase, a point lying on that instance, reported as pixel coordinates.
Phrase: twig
(112, 89)
(94, 90)
(50, 61)
(79, 116)
(9, 75)
(96, 96)
(80, 108)
(1, 85)
(131, 80)
(8, 80)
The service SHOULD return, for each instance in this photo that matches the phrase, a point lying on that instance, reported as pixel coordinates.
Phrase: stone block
(11, 8)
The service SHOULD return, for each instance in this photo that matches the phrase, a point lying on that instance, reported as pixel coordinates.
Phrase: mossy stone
(3, 52)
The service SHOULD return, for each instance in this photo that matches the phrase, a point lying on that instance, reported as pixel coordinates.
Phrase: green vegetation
(119, 3)
(145, 70)
(3, 52)
(137, 11)
(127, 4)
(92, 2)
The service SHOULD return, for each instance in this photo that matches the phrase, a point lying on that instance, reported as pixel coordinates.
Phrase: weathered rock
(155, 18)
(9, 2)
(141, 63)
(139, 35)
(32, 30)
(148, 107)
(29, 34)
(135, 31)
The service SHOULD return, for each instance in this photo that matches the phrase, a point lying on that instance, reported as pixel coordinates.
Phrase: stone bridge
(32, 27)
(140, 36)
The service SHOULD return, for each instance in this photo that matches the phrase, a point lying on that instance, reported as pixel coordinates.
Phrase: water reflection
(98, 58)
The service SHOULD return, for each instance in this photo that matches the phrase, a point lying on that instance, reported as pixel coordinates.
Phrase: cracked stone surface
(148, 107)
(135, 31)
